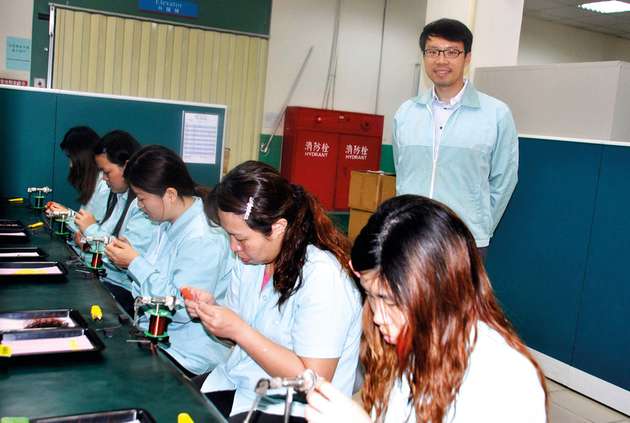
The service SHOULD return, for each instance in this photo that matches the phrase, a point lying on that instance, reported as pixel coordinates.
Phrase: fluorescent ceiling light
(607, 6)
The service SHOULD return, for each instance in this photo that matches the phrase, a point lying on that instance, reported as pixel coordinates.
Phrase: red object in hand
(187, 294)
(48, 204)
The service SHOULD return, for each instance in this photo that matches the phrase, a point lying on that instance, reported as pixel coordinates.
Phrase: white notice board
(199, 137)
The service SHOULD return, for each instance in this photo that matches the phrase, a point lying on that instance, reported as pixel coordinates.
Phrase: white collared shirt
(442, 110)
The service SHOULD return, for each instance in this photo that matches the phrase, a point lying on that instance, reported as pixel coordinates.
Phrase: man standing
(454, 143)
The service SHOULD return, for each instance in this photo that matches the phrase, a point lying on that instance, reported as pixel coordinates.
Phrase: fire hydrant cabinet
(321, 147)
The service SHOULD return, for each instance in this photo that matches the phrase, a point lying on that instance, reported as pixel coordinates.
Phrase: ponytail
(271, 197)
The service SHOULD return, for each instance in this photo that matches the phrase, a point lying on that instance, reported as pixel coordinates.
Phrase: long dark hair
(155, 168)
(118, 145)
(274, 198)
(427, 259)
(78, 144)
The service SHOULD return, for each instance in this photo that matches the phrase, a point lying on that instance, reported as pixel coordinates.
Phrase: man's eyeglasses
(449, 53)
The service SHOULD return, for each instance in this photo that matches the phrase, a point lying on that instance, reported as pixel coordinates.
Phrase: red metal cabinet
(321, 147)
(315, 163)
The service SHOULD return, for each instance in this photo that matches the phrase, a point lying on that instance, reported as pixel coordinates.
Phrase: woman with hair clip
(291, 304)
(78, 145)
(184, 251)
(436, 346)
(123, 218)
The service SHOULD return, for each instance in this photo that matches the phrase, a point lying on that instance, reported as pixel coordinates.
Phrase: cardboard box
(358, 219)
(369, 189)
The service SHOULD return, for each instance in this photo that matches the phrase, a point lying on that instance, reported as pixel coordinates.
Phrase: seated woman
(436, 345)
(185, 250)
(78, 145)
(123, 218)
(291, 305)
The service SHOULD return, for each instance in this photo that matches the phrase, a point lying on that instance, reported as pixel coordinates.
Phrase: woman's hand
(120, 252)
(221, 321)
(83, 219)
(77, 239)
(193, 297)
(326, 404)
(53, 206)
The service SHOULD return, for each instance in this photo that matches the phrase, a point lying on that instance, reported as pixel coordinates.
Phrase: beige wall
(545, 42)
(16, 20)
(298, 24)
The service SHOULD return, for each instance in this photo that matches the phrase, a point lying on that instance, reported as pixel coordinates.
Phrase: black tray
(11, 223)
(119, 416)
(23, 268)
(32, 334)
(65, 313)
(5, 238)
(12, 253)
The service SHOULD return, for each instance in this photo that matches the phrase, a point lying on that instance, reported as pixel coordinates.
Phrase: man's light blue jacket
(474, 168)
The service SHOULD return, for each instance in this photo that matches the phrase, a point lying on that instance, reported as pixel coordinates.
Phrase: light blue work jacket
(474, 168)
(321, 320)
(97, 204)
(187, 252)
(136, 227)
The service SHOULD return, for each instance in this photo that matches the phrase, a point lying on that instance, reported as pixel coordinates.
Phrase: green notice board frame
(33, 122)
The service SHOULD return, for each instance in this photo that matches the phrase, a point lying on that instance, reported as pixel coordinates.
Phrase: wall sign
(16, 82)
(18, 54)
(184, 8)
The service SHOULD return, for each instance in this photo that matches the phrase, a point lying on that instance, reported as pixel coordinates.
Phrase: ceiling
(566, 12)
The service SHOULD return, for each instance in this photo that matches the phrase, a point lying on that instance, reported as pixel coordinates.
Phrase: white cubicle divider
(575, 100)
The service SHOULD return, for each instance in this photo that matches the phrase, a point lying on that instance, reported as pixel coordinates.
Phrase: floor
(567, 406)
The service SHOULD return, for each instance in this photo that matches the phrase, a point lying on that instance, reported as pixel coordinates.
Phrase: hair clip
(248, 210)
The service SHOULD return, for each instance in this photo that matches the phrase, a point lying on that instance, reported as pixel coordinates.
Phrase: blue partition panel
(602, 346)
(33, 124)
(537, 257)
(149, 122)
(27, 129)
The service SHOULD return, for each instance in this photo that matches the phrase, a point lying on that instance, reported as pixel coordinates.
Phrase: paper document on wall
(199, 138)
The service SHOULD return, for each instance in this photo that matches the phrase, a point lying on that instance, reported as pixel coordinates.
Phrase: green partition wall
(27, 137)
(33, 123)
(557, 260)
(602, 342)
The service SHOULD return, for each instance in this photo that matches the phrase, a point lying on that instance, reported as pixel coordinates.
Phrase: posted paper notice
(199, 138)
